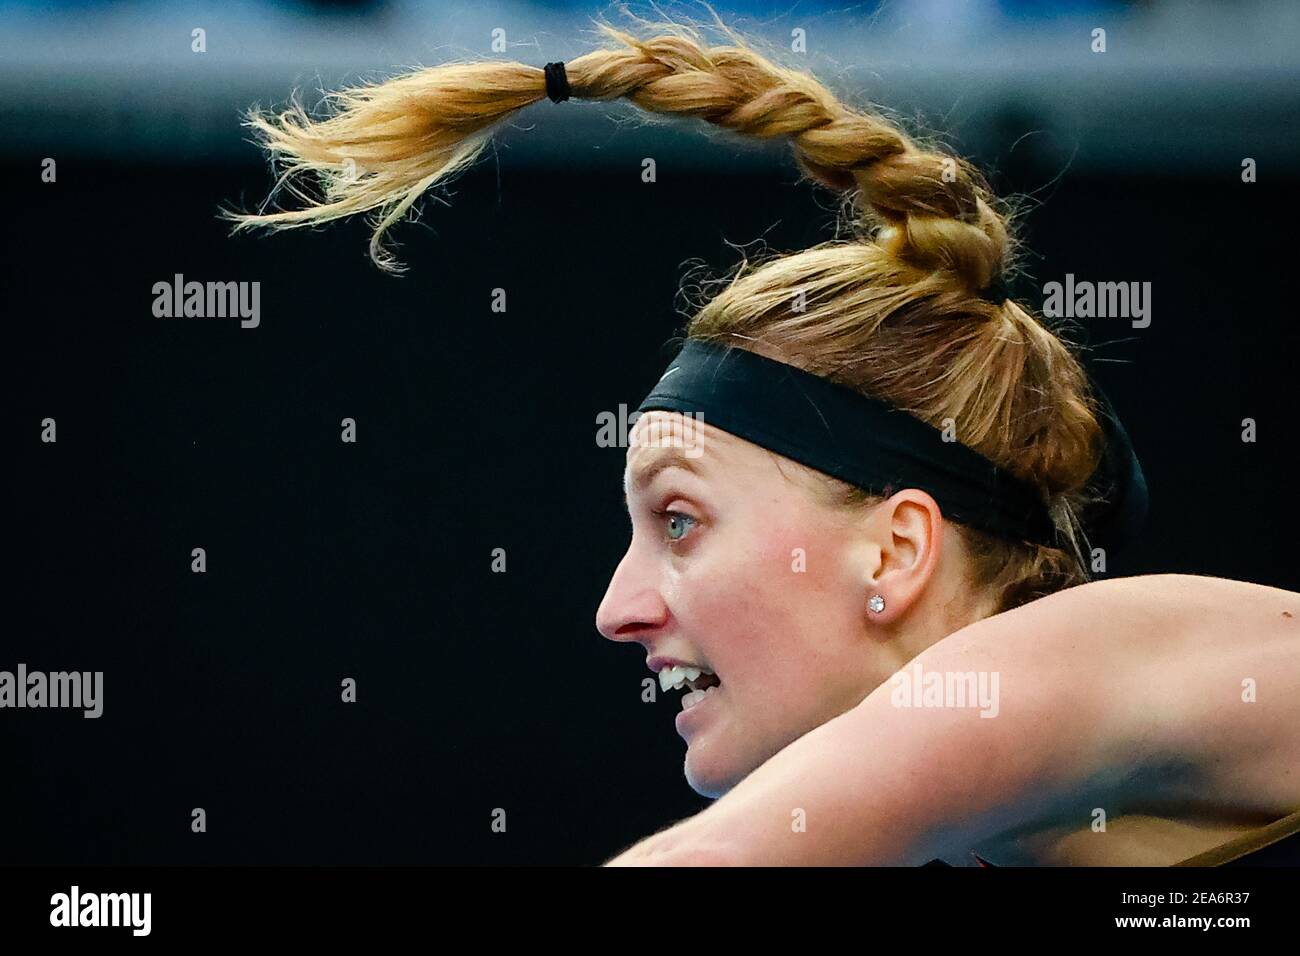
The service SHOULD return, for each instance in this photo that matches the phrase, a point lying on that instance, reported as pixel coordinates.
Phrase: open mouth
(699, 683)
(704, 682)
(706, 686)
(687, 677)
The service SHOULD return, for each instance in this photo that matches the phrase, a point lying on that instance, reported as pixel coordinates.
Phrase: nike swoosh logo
(669, 372)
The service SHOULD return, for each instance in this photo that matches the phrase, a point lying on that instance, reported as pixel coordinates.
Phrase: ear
(908, 530)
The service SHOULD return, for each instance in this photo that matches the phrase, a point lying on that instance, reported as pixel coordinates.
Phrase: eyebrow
(661, 459)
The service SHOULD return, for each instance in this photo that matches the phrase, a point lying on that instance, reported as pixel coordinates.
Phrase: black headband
(874, 445)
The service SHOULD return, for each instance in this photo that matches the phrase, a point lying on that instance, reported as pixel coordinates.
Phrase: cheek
(764, 607)
(810, 631)
(803, 568)
(731, 600)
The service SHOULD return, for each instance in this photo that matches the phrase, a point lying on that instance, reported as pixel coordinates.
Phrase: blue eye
(677, 522)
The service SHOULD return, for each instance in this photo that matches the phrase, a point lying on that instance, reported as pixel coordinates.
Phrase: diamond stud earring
(876, 603)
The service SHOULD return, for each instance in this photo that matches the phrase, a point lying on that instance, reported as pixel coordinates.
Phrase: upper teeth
(670, 678)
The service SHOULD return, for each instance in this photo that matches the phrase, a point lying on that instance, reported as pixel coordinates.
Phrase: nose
(633, 605)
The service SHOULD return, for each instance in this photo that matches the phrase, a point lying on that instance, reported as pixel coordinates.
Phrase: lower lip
(688, 721)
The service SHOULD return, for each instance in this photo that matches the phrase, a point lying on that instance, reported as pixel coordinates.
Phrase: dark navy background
(476, 431)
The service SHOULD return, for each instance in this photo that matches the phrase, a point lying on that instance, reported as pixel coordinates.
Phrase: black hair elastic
(557, 82)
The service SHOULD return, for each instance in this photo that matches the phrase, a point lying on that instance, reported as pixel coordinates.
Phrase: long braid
(385, 144)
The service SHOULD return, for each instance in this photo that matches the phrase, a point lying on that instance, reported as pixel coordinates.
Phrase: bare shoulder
(1201, 599)
(1018, 724)
(1177, 687)
(1137, 618)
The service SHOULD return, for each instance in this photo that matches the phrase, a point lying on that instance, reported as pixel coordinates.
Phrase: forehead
(662, 439)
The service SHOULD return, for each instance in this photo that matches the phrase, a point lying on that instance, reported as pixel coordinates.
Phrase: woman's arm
(888, 784)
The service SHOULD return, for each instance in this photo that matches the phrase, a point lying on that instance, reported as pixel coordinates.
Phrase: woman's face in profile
(739, 567)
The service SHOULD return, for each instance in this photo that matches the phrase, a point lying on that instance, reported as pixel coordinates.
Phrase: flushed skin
(1125, 695)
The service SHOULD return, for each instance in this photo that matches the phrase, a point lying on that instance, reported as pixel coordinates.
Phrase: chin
(709, 777)
(705, 786)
